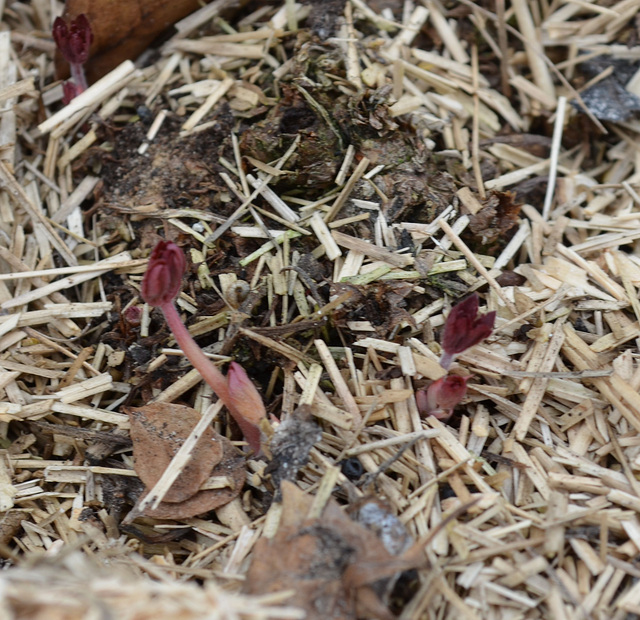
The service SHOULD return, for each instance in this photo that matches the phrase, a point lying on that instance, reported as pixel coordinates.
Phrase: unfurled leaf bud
(442, 396)
(74, 40)
(163, 278)
(464, 328)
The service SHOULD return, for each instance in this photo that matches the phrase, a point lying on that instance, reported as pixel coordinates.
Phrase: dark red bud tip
(442, 396)
(133, 315)
(74, 40)
(464, 328)
(163, 278)
(69, 92)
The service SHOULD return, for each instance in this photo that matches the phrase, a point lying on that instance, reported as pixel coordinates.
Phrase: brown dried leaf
(331, 563)
(381, 303)
(157, 432)
(498, 216)
(232, 466)
(122, 29)
(10, 524)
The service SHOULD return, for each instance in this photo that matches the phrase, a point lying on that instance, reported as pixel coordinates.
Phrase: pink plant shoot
(133, 316)
(74, 41)
(246, 399)
(69, 92)
(160, 286)
(464, 328)
(163, 279)
(442, 396)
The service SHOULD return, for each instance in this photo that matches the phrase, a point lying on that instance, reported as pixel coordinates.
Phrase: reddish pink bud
(244, 395)
(163, 278)
(160, 285)
(74, 40)
(464, 328)
(70, 91)
(245, 404)
(442, 396)
(133, 315)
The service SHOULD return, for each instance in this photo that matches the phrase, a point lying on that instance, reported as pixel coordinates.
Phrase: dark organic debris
(608, 99)
(337, 568)
(290, 446)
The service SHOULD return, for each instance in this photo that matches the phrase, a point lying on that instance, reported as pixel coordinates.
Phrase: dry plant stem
(209, 372)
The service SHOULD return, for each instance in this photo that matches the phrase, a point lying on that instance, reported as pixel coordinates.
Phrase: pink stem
(216, 380)
(200, 361)
(77, 73)
(446, 360)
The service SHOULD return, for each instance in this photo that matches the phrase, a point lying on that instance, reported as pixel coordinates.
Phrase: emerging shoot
(464, 328)
(442, 396)
(160, 286)
(74, 41)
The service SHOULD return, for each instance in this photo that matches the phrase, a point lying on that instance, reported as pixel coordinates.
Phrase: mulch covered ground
(338, 174)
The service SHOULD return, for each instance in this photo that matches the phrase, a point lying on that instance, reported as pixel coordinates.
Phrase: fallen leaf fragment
(157, 432)
(496, 220)
(231, 467)
(290, 446)
(332, 563)
(123, 29)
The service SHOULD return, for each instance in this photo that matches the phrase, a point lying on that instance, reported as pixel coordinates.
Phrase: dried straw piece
(471, 257)
(363, 164)
(23, 201)
(533, 48)
(338, 381)
(211, 100)
(96, 93)
(536, 391)
(586, 409)
(97, 269)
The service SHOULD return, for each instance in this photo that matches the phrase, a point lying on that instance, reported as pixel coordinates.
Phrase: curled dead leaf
(336, 567)
(158, 430)
(497, 219)
(231, 467)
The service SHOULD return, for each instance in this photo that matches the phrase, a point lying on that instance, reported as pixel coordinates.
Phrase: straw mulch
(341, 173)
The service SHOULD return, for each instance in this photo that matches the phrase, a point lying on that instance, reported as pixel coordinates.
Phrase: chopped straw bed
(538, 469)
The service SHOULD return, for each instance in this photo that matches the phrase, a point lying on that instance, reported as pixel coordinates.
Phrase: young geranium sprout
(69, 91)
(244, 397)
(442, 396)
(464, 329)
(74, 42)
(160, 286)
